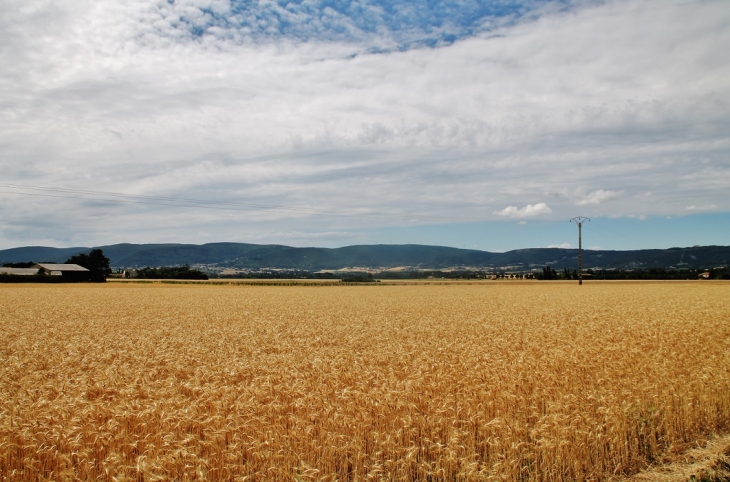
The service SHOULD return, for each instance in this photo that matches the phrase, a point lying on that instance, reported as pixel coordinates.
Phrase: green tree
(549, 273)
(95, 262)
(171, 272)
(28, 264)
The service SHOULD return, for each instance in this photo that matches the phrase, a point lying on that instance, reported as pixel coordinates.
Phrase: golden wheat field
(493, 381)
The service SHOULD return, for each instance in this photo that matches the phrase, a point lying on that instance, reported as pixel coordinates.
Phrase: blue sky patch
(406, 24)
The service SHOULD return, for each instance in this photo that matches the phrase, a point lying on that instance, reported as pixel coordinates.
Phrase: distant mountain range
(255, 256)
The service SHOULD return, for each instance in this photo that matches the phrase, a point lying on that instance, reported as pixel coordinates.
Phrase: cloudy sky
(471, 123)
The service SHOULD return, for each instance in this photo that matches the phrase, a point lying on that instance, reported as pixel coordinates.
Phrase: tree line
(94, 261)
(171, 272)
(549, 273)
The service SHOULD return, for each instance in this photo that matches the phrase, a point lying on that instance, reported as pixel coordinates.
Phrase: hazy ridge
(254, 256)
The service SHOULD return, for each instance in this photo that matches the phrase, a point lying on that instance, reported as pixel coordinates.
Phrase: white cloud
(121, 97)
(598, 197)
(708, 207)
(561, 246)
(299, 237)
(525, 212)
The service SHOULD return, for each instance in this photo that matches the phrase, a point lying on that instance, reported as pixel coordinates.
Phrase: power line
(88, 195)
(123, 198)
(167, 201)
(606, 231)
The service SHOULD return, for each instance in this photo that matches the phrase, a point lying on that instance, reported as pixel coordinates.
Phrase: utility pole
(579, 221)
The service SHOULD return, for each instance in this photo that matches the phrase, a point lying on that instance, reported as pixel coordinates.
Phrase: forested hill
(239, 255)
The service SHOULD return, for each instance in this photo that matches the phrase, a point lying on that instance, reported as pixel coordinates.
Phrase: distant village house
(19, 271)
(69, 272)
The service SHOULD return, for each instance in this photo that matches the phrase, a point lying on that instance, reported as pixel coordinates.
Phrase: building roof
(19, 271)
(61, 267)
